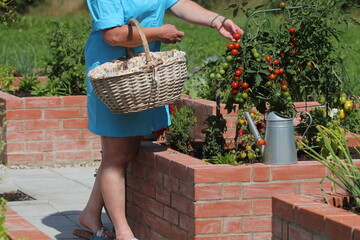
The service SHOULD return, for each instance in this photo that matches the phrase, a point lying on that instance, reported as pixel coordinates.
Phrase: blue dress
(108, 14)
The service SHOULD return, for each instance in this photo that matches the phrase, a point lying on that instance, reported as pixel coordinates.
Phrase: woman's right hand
(169, 34)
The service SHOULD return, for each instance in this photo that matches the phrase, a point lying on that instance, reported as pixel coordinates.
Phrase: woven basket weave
(140, 81)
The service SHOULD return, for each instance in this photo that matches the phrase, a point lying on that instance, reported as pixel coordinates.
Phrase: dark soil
(16, 196)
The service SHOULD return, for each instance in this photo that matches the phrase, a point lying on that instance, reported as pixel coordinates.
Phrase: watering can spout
(254, 130)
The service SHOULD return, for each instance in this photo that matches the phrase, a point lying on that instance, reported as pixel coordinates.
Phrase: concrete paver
(60, 193)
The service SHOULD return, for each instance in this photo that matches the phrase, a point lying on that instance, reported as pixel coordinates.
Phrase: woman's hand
(169, 34)
(227, 28)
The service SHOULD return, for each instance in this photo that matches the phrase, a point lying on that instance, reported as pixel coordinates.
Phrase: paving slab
(60, 194)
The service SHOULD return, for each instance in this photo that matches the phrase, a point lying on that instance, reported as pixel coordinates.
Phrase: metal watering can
(279, 145)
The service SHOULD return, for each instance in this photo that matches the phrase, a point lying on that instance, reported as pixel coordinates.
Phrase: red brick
(230, 133)
(171, 182)
(42, 102)
(229, 237)
(15, 147)
(154, 176)
(261, 207)
(74, 101)
(32, 234)
(62, 134)
(23, 114)
(24, 136)
(163, 195)
(261, 173)
(207, 226)
(207, 192)
(340, 227)
(267, 190)
(300, 170)
(179, 203)
(17, 222)
(262, 236)
(162, 163)
(14, 126)
(178, 233)
(356, 233)
(148, 188)
(257, 224)
(215, 174)
(231, 191)
(155, 207)
(187, 222)
(75, 123)
(187, 190)
(73, 156)
(171, 215)
(300, 234)
(222, 209)
(62, 113)
(38, 146)
(133, 211)
(86, 134)
(24, 157)
(41, 124)
(276, 227)
(314, 187)
(72, 145)
(157, 224)
(232, 225)
(16, 103)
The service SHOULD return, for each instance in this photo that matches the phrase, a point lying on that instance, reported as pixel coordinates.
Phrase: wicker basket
(140, 81)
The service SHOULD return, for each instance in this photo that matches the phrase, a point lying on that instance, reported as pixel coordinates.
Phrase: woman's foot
(89, 221)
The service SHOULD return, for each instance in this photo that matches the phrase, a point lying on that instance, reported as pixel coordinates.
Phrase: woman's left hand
(227, 28)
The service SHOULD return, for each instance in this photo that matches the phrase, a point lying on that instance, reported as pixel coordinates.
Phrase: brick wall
(307, 218)
(174, 196)
(47, 129)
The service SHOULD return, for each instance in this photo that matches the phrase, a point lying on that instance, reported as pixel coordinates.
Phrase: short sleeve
(169, 3)
(106, 13)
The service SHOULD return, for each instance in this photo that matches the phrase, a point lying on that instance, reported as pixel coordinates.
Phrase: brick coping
(18, 227)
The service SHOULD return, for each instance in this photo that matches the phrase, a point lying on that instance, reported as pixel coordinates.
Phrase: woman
(121, 133)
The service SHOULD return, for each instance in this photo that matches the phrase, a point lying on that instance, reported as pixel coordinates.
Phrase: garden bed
(307, 217)
(175, 196)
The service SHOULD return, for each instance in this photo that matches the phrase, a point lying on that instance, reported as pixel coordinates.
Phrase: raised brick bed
(46, 129)
(307, 218)
(174, 196)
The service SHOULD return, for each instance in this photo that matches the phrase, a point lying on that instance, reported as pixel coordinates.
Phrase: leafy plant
(28, 83)
(6, 78)
(178, 134)
(66, 63)
(345, 173)
(52, 87)
(8, 14)
(3, 230)
(227, 158)
(214, 136)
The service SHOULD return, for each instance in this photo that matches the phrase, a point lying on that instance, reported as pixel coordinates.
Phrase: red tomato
(276, 62)
(234, 52)
(268, 58)
(293, 40)
(245, 85)
(276, 72)
(292, 30)
(234, 85)
(261, 142)
(230, 46)
(281, 70)
(237, 36)
(237, 45)
(234, 91)
(238, 72)
(236, 78)
(246, 90)
(284, 87)
(272, 76)
(270, 70)
(293, 52)
(241, 68)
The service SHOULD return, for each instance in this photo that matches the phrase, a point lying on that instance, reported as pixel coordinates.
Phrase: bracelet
(222, 23)
(211, 24)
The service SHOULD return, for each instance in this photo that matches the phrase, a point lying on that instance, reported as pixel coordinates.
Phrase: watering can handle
(309, 125)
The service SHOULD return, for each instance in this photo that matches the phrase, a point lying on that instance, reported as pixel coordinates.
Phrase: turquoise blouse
(107, 14)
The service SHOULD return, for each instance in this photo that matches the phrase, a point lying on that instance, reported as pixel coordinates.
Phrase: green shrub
(3, 229)
(214, 136)
(178, 135)
(6, 78)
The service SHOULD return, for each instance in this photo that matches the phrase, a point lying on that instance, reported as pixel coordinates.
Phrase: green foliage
(6, 78)
(331, 140)
(28, 84)
(66, 63)
(23, 6)
(227, 158)
(3, 230)
(8, 14)
(178, 135)
(345, 173)
(214, 136)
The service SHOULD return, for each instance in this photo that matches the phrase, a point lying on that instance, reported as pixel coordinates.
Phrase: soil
(16, 196)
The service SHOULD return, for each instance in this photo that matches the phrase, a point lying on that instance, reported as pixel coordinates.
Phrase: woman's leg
(109, 187)
(117, 153)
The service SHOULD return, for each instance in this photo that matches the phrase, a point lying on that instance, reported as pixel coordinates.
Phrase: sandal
(102, 234)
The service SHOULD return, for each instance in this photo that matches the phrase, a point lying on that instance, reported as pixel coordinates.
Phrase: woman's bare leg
(109, 187)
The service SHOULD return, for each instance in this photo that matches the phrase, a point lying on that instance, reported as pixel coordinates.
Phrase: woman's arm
(194, 13)
(128, 36)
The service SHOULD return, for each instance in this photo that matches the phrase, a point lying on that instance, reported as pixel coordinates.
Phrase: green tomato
(343, 99)
(225, 65)
(218, 75)
(321, 100)
(212, 75)
(258, 59)
(286, 93)
(229, 58)
(222, 71)
(254, 50)
(256, 55)
(244, 95)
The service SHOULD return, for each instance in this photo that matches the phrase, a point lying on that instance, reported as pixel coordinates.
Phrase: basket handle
(143, 39)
